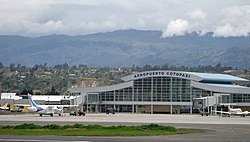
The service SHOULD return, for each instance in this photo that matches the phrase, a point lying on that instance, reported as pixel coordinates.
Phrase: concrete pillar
(136, 109)
(191, 109)
(87, 107)
(171, 109)
(208, 104)
(96, 108)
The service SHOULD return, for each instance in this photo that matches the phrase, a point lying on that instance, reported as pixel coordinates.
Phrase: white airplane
(44, 109)
(4, 107)
(234, 111)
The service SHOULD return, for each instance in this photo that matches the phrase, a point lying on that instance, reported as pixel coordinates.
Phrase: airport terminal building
(165, 91)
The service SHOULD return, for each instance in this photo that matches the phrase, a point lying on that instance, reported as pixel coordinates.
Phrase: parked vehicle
(110, 110)
(79, 113)
(73, 113)
(16, 110)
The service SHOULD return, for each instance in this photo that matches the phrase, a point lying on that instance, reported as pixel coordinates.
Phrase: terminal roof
(217, 77)
(195, 76)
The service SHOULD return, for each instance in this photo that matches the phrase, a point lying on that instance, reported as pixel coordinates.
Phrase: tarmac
(234, 128)
(126, 118)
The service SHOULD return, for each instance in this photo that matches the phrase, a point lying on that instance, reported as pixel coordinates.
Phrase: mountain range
(126, 48)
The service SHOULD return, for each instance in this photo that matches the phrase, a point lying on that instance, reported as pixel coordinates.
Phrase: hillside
(125, 48)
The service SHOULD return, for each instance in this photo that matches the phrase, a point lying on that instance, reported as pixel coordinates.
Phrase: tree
(1, 65)
(44, 65)
(53, 91)
(65, 66)
(12, 67)
(26, 91)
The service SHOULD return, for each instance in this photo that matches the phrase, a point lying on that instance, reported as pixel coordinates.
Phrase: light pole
(48, 100)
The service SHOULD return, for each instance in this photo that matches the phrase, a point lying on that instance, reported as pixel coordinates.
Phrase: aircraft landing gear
(41, 115)
(51, 114)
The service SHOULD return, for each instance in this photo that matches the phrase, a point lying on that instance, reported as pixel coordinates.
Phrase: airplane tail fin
(229, 107)
(32, 103)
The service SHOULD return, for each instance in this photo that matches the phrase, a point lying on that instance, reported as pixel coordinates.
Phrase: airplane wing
(22, 105)
(67, 105)
(223, 112)
(245, 112)
(48, 105)
(60, 106)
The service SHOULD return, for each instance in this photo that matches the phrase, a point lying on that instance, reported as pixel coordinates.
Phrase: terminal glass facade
(198, 93)
(124, 94)
(156, 89)
(159, 94)
(240, 98)
(150, 89)
(162, 89)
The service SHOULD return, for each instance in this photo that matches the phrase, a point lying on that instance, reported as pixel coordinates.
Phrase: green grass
(93, 130)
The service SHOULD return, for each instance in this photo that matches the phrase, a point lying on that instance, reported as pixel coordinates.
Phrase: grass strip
(93, 130)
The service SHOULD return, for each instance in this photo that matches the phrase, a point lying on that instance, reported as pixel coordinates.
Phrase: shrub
(51, 126)
(77, 125)
(94, 126)
(67, 126)
(27, 126)
(157, 127)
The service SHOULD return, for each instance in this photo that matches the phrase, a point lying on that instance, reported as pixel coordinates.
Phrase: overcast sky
(79, 17)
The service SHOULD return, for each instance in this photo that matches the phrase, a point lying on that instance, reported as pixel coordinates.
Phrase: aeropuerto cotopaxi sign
(162, 73)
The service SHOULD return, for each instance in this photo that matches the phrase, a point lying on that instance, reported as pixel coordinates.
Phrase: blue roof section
(217, 77)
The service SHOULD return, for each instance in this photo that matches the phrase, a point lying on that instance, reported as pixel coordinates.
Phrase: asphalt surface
(222, 129)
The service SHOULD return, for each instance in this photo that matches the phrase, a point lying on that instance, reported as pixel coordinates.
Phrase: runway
(218, 128)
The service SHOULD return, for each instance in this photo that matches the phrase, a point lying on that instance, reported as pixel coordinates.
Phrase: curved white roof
(102, 89)
(208, 81)
(186, 75)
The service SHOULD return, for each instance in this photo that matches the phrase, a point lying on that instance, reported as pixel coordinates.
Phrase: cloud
(44, 17)
(176, 28)
(232, 21)
(229, 30)
(197, 14)
(33, 28)
(235, 22)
